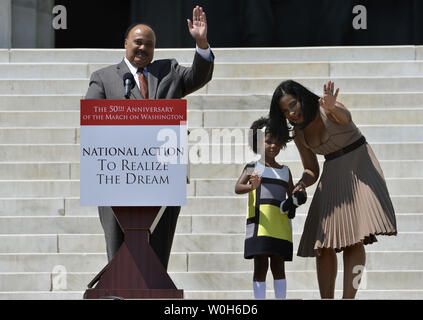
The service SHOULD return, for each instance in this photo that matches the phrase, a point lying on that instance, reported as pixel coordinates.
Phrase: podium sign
(133, 152)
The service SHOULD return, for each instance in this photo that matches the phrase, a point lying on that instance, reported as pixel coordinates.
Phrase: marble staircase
(45, 234)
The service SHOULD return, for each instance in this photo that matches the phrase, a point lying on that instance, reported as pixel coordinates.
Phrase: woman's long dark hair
(308, 100)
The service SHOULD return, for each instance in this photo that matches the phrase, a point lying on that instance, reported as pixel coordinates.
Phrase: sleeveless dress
(268, 231)
(351, 203)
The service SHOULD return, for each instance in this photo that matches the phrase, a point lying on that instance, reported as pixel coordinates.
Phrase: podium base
(134, 293)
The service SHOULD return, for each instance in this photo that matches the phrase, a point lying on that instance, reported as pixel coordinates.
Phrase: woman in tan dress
(351, 204)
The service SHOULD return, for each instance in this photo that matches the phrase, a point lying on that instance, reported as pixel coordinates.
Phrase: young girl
(268, 230)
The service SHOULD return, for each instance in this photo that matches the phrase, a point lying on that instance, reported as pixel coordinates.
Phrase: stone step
(65, 225)
(40, 153)
(197, 262)
(4, 55)
(404, 241)
(40, 102)
(90, 243)
(307, 69)
(38, 171)
(256, 101)
(209, 118)
(205, 154)
(39, 135)
(49, 119)
(242, 153)
(47, 262)
(228, 69)
(31, 135)
(70, 262)
(44, 71)
(271, 69)
(198, 101)
(375, 68)
(233, 224)
(41, 295)
(183, 243)
(35, 243)
(235, 205)
(39, 188)
(239, 135)
(226, 295)
(352, 84)
(50, 188)
(66, 55)
(238, 205)
(36, 207)
(242, 119)
(344, 53)
(291, 294)
(225, 187)
(41, 281)
(229, 85)
(66, 170)
(391, 169)
(375, 260)
(197, 187)
(35, 86)
(187, 224)
(49, 225)
(299, 280)
(259, 69)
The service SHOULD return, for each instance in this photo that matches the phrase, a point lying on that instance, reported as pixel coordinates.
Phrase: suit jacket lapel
(153, 80)
(121, 69)
(136, 93)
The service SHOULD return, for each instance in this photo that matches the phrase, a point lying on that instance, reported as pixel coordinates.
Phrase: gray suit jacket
(166, 80)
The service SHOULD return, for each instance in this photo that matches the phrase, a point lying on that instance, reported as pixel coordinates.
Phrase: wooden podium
(135, 272)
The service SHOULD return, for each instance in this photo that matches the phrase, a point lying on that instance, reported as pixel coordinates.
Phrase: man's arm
(197, 75)
(201, 70)
(96, 88)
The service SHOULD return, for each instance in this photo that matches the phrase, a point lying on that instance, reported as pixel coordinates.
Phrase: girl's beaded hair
(265, 125)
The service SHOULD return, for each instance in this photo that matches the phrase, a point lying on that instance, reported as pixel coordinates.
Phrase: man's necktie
(143, 83)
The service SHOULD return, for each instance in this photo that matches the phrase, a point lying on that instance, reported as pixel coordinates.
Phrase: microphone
(129, 83)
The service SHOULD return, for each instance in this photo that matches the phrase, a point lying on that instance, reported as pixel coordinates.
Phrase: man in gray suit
(161, 79)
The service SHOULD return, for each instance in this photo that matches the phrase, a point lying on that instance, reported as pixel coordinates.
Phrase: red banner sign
(133, 112)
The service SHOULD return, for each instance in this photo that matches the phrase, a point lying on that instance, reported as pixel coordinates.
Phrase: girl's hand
(300, 187)
(255, 180)
(328, 100)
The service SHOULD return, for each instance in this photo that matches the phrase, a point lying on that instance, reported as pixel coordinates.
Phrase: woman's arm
(335, 110)
(340, 114)
(310, 164)
(290, 184)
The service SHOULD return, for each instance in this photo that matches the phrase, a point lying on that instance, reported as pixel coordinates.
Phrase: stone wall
(26, 24)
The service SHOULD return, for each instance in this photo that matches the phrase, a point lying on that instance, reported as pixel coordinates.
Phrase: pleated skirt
(351, 205)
